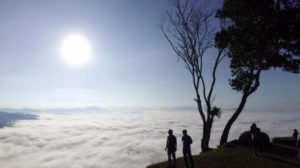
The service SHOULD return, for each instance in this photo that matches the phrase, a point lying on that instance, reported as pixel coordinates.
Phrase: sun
(75, 50)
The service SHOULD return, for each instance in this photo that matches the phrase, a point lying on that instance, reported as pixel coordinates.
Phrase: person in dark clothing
(298, 141)
(171, 147)
(187, 141)
(256, 139)
(252, 129)
(295, 134)
(296, 137)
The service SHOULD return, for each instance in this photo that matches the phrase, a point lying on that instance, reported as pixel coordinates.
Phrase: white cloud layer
(116, 140)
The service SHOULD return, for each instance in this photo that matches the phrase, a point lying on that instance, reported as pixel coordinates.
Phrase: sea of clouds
(117, 140)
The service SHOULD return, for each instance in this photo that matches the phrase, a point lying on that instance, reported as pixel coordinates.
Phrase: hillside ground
(237, 157)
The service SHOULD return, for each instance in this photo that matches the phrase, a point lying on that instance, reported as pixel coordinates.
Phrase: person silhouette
(298, 141)
(256, 139)
(298, 145)
(295, 134)
(171, 147)
(187, 141)
(252, 129)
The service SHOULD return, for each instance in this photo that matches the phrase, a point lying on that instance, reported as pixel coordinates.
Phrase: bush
(245, 139)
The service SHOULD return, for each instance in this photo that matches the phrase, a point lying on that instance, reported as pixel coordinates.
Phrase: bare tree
(189, 30)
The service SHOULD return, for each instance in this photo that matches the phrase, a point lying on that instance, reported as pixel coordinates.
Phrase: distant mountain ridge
(8, 119)
(54, 110)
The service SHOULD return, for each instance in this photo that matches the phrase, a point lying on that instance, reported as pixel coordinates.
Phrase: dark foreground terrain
(237, 157)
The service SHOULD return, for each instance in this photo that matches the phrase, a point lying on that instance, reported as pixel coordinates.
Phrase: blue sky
(132, 64)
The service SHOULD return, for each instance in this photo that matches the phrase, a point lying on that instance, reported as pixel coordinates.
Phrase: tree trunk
(236, 114)
(206, 135)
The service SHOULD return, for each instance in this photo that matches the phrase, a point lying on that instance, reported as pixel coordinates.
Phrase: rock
(245, 139)
(265, 139)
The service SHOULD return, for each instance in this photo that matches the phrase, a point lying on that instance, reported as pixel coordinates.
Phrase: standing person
(187, 141)
(298, 141)
(252, 129)
(256, 139)
(171, 148)
(298, 145)
(295, 134)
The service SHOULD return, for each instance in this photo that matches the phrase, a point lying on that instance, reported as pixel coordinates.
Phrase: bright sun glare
(75, 50)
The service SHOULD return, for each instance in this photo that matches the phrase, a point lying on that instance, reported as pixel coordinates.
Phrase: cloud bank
(115, 140)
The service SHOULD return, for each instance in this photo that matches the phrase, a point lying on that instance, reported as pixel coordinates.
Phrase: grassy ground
(237, 157)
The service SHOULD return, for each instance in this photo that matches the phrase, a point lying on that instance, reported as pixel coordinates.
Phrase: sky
(132, 64)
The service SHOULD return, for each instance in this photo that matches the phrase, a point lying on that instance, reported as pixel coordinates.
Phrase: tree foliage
(258, 35)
